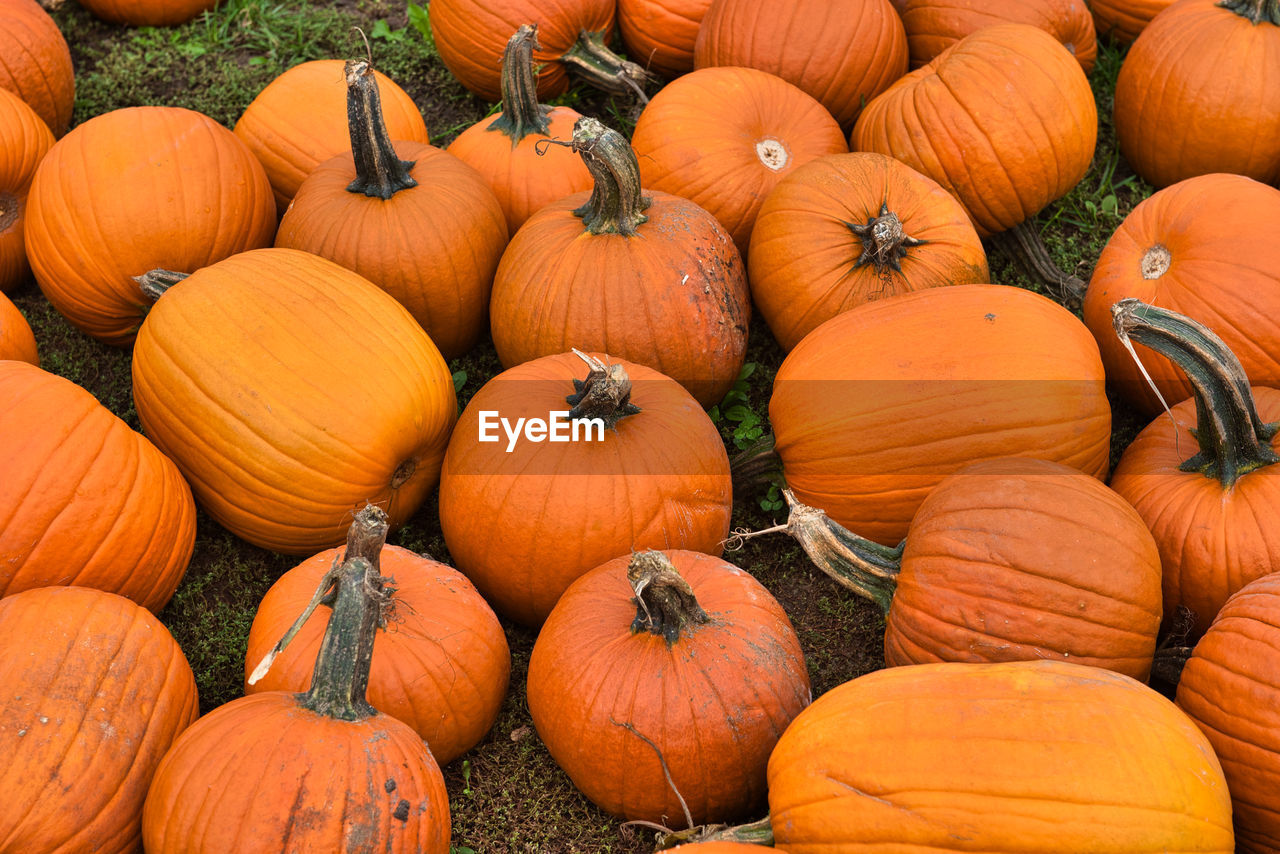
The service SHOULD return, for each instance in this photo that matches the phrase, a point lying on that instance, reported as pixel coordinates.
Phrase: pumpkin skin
(1123, 20)
(96, 691)
(148, 13)
(134, 190)
(1004, 119)
(724, 137)
(1023, 757)
(806, 261)
(713, 701)
(660, 34)
(934, 25)
(35, 62)
(85, 499)
(842, 52)
(441, 665)
(16, 339)
(1195, 70)
(292, 430)
(24, 141)
(1231, 688)
(1167, 252)
(299, 120)
(873, 408)
(659, 479)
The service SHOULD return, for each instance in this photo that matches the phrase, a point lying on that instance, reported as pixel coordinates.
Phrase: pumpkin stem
(1024, 244)
(521, 114)
(1233, 439)
(616, 202)
(756, 833)
(884, 243)
(1256, 11)
(604, 394)
(755, 466)
(154, 283)
(665, 603)
(379, 172)
(591, 60)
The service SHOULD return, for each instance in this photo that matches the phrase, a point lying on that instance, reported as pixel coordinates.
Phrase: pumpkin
(414, 220)
(725, 137)
(135, 190)
(1004, 119)
(24, 141)
(660, 34)
(16, 338)
(874, 407)
(288, 390)
(1123, 20)
(441, 662)
(1169, 253)
(651, 473)
(842, 52)
(317, 771)
(1204, 476)
(470, 36)
(96, 691)
(510, 150)
(1197, 77)
(649, 278)
(850, 228)
(299, 120)
(666, 663)
(1027, 757)
(85, 499)
(35, 62)
(1231, 688)
(934, 25)
(148, 13)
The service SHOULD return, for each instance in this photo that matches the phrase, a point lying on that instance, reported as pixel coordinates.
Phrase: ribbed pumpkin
(84, 499)
(650, 278)
(656, 476)
(289, 390)
(510, 150)
(842, 52)
(934, 25)
(1205, 241)
(1231, 689)
(1123, 20)
(1195, 93)
(873, 408)
(1017, 758)
(671, 657)
(1204, 477)
(24, 141)
(852, 228)
(148, 13)
(131, 191)
(35, 62)
(416, 221)
(16, 338)
(660, 34)
(95, 692)
(299, 120)
(441, 662)
(1004, 119)
(317, 771)
(725, 137)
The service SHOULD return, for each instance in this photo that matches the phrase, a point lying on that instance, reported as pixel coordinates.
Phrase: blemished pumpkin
(320, 770)
(660, 34)
(1195, 96)
(35, 62)
(1123, 20)
(148, 13)
(16, 338)
(847, 229)
(299, 120)
(724, 137)
(1170, 254)
(96, 691)
(1024, 757)
(24, 141)
(84, 498)
(288, 390)
(414, 220)
(653, 474)
(135, 190)
(510, 150)
(651, 278)
(934, 25)
(667, 663)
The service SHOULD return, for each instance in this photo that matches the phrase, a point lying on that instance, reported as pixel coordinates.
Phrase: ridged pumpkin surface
(934, 25)
(16, 339)
(290, 390)
(24, 141)
(84, 499)
(878, 404)
(1123, 20)
(148, 13)
(660, 34)
(95, 692)
(35, 62)
(1017, 758)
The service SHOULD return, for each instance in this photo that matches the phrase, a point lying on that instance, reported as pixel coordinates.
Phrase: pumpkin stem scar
(884, 242)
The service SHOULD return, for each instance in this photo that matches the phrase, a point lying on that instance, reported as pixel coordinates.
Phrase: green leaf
(419, 20)
(459, 380)
(740, 413)
(382, 30)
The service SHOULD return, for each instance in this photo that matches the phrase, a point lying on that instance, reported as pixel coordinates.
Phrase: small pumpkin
(16, 339)
(35, 62)
(934, 25)
(660, 34)
(24, 141)
(148, 13)
(1123, 20)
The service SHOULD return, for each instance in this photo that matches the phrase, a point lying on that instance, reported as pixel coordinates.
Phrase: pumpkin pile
(475, 370)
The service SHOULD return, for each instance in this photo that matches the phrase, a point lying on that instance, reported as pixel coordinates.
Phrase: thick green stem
(616, 205)
(589, 59)
(154, 283)
(604, 394)
(665, 604)
(1233, 439)
(756, 466)
(1255, 11)
(522, 115)
(379, 172)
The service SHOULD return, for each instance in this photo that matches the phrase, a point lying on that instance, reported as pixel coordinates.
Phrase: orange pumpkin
(16, 338)
(24, 141)
(148, 13)
(852, 228)
(1123, 20)
(660, 34)
(139, 189)
(934, 25)
(35, 62)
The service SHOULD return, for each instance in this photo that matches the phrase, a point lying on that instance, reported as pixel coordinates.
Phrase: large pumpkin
(289, 390)
(934, 25)
(35, 62)
(660, 34)
(24, 141)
